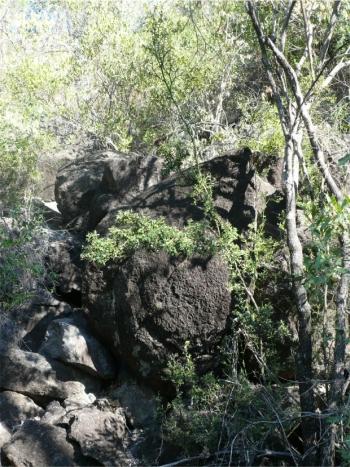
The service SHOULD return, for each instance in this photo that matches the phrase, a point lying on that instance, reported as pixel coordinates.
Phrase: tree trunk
(304, 356)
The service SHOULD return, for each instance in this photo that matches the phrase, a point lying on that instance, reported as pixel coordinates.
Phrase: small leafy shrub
(21, 267)
(195, 414)
(228, 416)
(134, 231)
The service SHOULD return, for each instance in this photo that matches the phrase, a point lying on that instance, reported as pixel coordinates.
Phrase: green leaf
(344, 160)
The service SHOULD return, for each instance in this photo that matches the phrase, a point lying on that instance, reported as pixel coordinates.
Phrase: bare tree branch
(308, 27)
(339, 66)
(330, 30)
(290, 8)
(303, 109)
(267, 64)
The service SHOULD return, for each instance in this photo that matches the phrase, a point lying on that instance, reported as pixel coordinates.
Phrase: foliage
(261, 131)
(195, 418)
(21, 268)
(215, 415)
(182, 80)
(324, 264)
(133, 231)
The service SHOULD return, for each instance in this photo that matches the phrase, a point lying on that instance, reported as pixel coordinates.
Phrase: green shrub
(21, 267)
(134, 231)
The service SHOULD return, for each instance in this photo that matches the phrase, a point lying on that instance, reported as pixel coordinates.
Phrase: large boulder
(242, 185)
(69, 340)
(151, 305)
(102, 173)
(37, 443)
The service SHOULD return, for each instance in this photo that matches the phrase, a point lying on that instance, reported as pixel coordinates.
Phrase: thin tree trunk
(304, 357)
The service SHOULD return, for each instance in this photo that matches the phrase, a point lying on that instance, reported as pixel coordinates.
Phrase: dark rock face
(152, 304)
(240, 193)
(148, 307)
(91, 190)
(63, 260)
(106, 174)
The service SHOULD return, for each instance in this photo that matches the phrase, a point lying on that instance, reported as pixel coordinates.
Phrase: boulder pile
(80, 366)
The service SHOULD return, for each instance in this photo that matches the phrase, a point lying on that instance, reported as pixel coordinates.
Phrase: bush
(134, 231)
(21, 264)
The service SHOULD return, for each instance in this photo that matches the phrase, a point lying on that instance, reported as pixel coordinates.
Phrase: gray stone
(32, 374)
(101, 434)
(39, 444)
(55, 414)
(139, 404)
(15, 408)
(69, 341)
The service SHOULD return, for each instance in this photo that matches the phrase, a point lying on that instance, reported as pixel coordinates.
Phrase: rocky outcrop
(90, 191)
(104, 174)
(137, 313)
(149, 307)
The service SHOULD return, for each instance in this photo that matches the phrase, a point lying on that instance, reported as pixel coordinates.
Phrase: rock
(5, 435)
(148, 307)
(32, 374)
(55, 414)
(34, 318)
(139, 404)
(69, 341)
(49, 212)
(101, 434)
(15, 408)
(49, 164)
(240, 192)
(26, 325)
(39, 444)
(101, 173)
(63, 260)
